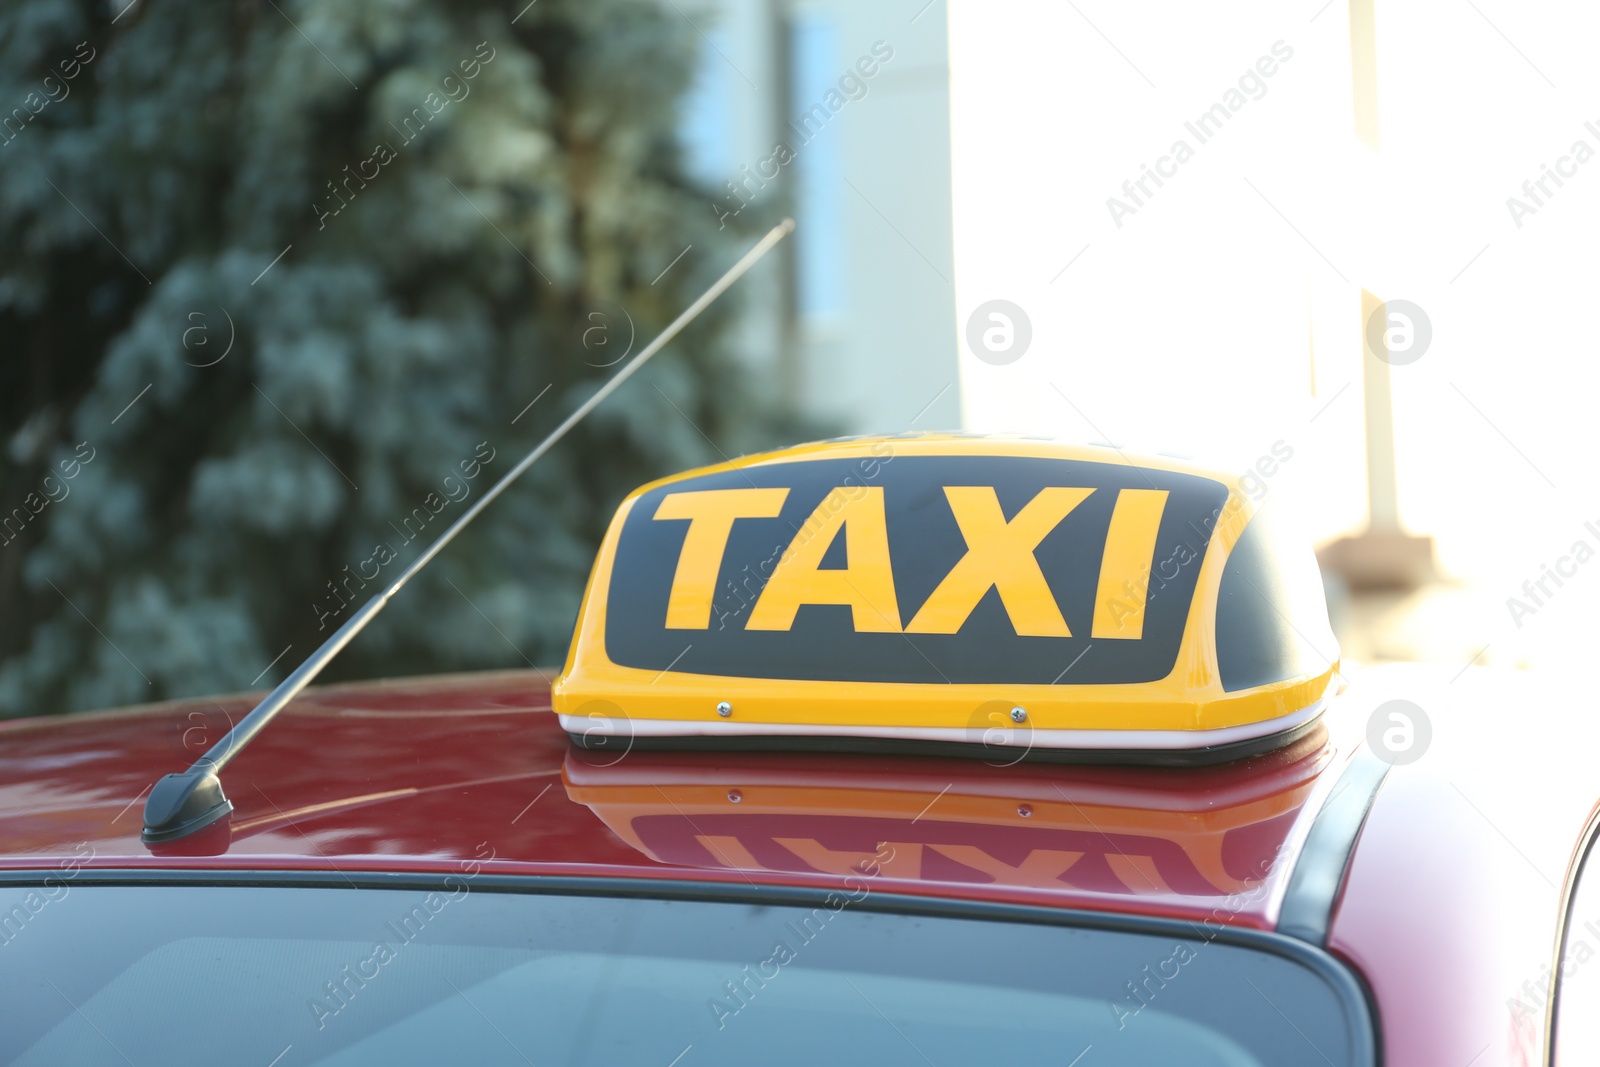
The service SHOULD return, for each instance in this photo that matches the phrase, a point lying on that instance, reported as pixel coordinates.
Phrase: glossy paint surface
(425, 775)
(1449, 910)
(1453, 895)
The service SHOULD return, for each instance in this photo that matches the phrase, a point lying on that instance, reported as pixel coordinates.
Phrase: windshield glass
(343, 976)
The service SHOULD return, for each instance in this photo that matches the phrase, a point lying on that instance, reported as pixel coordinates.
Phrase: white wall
(1189, 325)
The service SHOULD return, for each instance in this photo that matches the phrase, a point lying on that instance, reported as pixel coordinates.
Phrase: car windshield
(174, 974)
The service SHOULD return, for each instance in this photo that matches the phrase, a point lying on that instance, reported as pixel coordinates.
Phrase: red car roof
(425, 774)
(1448, 909)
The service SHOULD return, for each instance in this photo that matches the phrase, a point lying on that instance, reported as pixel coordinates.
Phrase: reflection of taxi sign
(1200, 832)
(895, 591)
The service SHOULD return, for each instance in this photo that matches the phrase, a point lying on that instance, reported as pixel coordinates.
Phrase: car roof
(442, 775)
(425, 774)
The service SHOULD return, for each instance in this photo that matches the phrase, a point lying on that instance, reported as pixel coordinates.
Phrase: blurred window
(706, 122)
(182, 974)
(816, 63)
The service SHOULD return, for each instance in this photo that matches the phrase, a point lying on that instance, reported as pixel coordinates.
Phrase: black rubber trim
(1585, 853)
(894, 746)
(1319, 873)
(1346, 985)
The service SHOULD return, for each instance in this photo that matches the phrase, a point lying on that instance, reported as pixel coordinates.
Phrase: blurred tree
(278, 283)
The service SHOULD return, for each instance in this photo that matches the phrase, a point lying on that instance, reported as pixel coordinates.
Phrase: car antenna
(181, 804)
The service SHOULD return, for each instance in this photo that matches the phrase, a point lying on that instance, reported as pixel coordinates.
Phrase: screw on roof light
(1019, 715)
(180, 804)
(725, 709)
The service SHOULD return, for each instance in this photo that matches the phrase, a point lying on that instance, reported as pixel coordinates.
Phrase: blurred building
(839, 113)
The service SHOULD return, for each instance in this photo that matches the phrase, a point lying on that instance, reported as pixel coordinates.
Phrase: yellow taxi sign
(915, 590)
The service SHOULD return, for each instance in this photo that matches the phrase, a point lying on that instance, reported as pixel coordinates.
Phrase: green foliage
(416, 312)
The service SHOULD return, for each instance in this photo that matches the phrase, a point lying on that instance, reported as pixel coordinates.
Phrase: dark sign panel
(937, 569)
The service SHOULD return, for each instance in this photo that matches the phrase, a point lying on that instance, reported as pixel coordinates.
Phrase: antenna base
(180, 804)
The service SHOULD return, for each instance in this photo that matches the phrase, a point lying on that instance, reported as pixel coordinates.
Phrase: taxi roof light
(949, 594)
